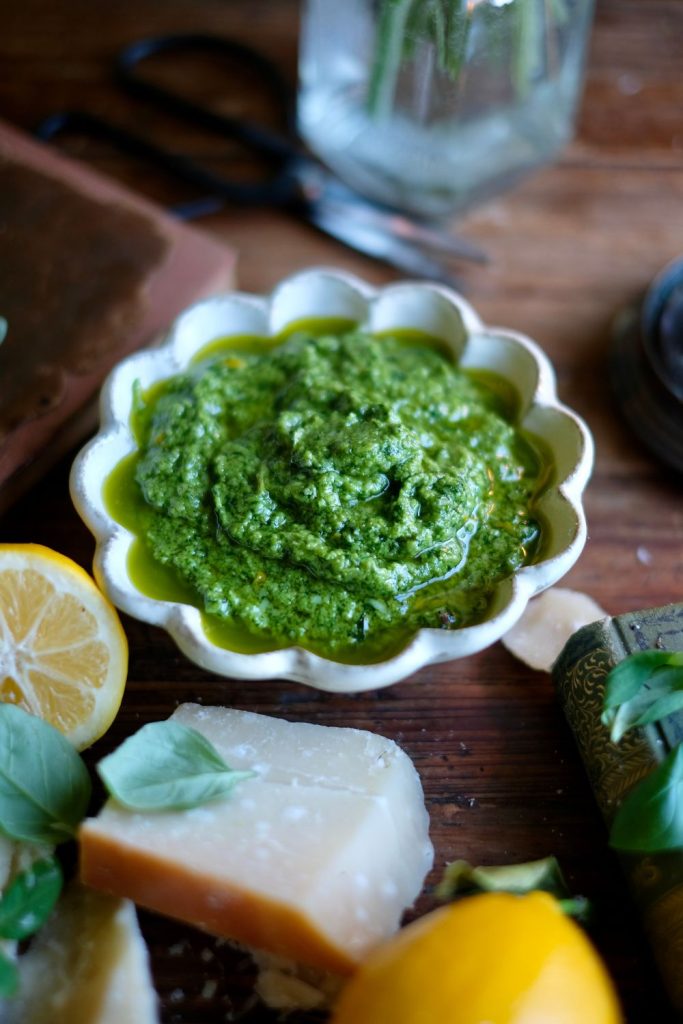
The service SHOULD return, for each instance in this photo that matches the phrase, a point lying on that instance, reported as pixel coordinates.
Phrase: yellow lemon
(489, 959)
(63, 652)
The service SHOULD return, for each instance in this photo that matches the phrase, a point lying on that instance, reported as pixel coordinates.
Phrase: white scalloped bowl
(320, 293)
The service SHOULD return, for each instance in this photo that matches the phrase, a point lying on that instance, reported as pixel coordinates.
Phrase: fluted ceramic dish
(320, 293)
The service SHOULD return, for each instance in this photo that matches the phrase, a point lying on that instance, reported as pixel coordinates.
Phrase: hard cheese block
(87, 965)
(90, 272)
(315, 858)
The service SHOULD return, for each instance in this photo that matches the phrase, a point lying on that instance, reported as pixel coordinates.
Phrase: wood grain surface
(569, 249)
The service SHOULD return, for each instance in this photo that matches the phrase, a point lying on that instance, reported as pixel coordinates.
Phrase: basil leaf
(650, 818)
(27, 903)
(44, 784)
(167, 766)
(643, 688)
(9, 976)
(461, 879)
(660, 696)
(626, 678)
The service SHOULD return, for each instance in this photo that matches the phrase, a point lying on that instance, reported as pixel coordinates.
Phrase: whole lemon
(495, 958)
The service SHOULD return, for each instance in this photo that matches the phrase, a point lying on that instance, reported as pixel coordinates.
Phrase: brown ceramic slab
(91, 272)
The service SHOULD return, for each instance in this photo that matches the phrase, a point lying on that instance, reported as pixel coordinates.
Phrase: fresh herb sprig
(446, 26)
(27, 902)
(167, 766)
(44, 793)
(462, 879)
(25, 906)
(641, 690)
(45, 789)
(44, 784)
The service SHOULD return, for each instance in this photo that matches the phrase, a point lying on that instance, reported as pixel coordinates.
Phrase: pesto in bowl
(333, 484)
(339, 491)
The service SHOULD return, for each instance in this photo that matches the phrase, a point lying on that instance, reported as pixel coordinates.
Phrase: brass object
(655, 880)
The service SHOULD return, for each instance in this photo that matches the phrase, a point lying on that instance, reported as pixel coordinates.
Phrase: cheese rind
(314, 858)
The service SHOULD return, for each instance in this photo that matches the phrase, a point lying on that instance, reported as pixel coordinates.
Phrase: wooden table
(569, 249)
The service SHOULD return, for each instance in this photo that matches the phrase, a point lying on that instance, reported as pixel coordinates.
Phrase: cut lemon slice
(63, 652)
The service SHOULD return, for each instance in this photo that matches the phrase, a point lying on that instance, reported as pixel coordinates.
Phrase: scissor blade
(403, 229)
(319, 185)
(433, 238)
(379, 245)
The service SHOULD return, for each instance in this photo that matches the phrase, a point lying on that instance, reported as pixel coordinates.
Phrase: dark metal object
(662, 327)
(646, 366)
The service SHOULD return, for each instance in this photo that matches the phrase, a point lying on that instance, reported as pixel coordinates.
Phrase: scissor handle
(280, 188)
(253, 135)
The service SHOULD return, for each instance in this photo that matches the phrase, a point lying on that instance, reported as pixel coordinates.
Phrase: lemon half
(63, 652)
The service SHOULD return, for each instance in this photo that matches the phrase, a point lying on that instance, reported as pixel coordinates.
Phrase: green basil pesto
(335, 491)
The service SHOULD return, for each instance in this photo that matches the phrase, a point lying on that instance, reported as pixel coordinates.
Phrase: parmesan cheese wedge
(88, 964)
(547, 623)
(315, 858)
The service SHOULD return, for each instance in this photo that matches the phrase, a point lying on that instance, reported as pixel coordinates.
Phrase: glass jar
(433, 105)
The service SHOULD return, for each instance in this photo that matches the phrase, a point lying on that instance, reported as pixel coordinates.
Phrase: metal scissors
(295, 180)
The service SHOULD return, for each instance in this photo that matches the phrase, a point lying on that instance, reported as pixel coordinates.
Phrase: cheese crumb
(209, 989)
(284, 985)
(547, 623)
